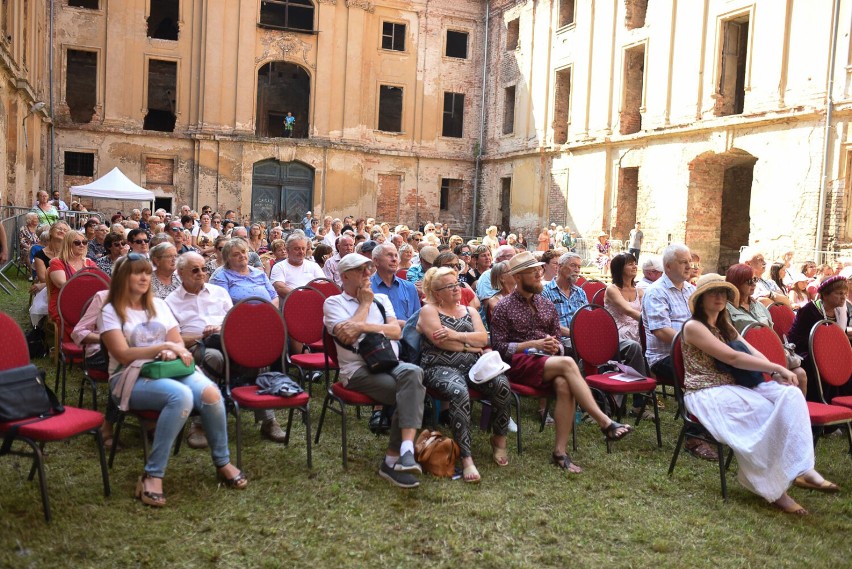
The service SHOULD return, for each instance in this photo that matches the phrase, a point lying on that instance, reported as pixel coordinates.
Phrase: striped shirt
(664, 306)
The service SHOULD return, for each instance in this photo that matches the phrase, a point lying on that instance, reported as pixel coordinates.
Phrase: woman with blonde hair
(454, 339)
(137, 327)
(71, 258)
(256, 240)
(490, 240)
(165, 279)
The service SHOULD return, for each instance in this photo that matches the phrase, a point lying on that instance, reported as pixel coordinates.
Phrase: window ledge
(284, 29)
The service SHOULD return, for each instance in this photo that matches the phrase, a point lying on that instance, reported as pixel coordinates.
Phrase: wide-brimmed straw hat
(522, 261)
(487, 367)
(713, 281)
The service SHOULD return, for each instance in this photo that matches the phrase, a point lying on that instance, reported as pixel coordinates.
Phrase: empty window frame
(561, 105)
(456, 44)
(163, 19)
(509, 110)
(90, 4)
(287, 14)
(79, 163)
(634, 89)
(566, 12)
(159, 171)
(513, 34)
(451, 194)
(453, 115)
(162, 95)
(393, 36)
(81, 82)
(730, 98)
(634, 13)
(390, 108)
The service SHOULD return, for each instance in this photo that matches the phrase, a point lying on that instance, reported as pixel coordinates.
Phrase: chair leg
(678, 446)
(38, 466)
(322, 418)
(289, 425)
(239, 432)
(115, 438)
(343, 432)
(306, 420)
(656, 419)
(721, 453)
(849, 436)
(518, 422)
(99, 439)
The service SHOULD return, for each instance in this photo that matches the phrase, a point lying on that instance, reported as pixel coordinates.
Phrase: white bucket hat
(487, 367)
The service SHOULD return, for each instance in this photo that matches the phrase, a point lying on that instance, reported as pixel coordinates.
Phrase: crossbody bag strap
(56, 408)
(351, 347)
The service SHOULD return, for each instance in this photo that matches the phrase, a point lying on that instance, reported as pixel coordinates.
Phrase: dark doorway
(281, 88)
(163, 203)
(281, 190)
(81, 84)
(162, 86)
(163, 19)
(505, 203)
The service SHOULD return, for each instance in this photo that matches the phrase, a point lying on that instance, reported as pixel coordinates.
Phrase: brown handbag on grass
(436, 453)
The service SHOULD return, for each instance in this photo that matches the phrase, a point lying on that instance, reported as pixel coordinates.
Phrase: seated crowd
(174, 279)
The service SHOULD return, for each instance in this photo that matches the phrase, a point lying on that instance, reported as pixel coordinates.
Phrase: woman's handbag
(436, 453)
(172, 369)
(375, 348)
(794, 360)
(24, 394)
(743, 377)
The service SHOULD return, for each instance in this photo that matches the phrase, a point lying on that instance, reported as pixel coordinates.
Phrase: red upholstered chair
(689, 420)
(338, 397)
(594, 336)
(599, 297)
(253, 337)
(402, 273)
(581, 280)
(35, 432)
(591, 287)
(92, 377)
(302, 310)
(325, 287)
(831, 355)
(782, 318)
(73, 297)
(519, 390)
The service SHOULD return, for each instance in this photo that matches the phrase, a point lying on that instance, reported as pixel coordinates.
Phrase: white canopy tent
(114, 186)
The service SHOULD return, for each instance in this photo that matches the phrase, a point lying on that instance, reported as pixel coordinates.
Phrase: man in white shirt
(652, 269)
(345, 246)
(765, 290)
(200, 308)
(333, 232)
(347, 317)
(295, 271)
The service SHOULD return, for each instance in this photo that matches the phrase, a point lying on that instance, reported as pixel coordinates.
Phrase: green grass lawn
(623, 511)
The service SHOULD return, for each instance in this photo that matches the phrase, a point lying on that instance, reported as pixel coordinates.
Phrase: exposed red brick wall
(387, 198)
(634, 13)
(634, 72)
(626, 202)
(159, 171)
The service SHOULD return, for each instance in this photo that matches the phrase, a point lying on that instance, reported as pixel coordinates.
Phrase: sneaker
(316, 377)
(406, 463)
(272, 430)
(401, 479)
(196, 438)
(513, 427)
(378, 424)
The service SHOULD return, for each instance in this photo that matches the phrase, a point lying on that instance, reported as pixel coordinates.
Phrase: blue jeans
(174, 399)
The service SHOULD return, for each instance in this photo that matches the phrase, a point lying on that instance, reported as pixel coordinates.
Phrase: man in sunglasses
(116, 246)
(176, 232)
(138, 241)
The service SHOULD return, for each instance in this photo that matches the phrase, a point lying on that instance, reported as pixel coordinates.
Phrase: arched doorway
(282, 88)
(281, 190)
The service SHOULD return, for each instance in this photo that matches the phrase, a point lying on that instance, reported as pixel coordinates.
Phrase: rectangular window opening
(506, 202)
(451, 195)
(513, 34)
(509, 110)
(562, 106)
(287, 14)
(566, 12)
(163, 19)
(162, 90)
(80, 164)
(456, 44)
(393, 36)
(390, 108)
(730, 98)
(159, 171)
(634, 87)
(453, 115)
(81, 81)
(634, 13)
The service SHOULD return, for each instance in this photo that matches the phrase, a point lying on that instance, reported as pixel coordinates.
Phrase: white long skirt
(767, 427)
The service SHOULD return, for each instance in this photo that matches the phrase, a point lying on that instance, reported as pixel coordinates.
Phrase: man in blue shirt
(402, 294)
(563, 291)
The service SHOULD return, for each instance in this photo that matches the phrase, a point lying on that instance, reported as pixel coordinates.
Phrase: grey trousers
(402, 386)
(630, 353)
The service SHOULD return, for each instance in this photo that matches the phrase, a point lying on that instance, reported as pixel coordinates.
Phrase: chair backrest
(303, 314)
(330, 350)
(782, 318)
(831, 353)
(15, 352)
(678, 367)
(591, 287)
(76, 293)
(252, 334)
(594, 336)
(325, 287)
(766, 341)
(581, 280)
(402, 273)
(599, 297)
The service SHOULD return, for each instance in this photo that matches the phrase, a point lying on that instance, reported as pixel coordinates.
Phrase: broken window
(91, 4)
(282, 88)
(562, 106)
(81, 80)
(509, 110)
(163, 19)
(634, 13)
(287, 14)
(730, 99)
(513, 34)
(456, 44)
(393, 36)
(506, 202)
(566, 12)
(159, 171)
(634, 88)
(390, 108)
(79, 164)
(451, 195)
(162, 89)
(453, 115)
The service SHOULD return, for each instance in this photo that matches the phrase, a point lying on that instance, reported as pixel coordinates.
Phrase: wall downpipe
(478, 164)
(829, 108)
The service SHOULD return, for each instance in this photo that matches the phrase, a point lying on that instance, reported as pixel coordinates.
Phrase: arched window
(287, 14)
(283, 99)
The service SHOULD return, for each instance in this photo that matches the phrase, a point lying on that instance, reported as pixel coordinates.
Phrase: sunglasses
(219, 248)
(465, 253)
(454, 286)
(175, 228)
(454, 266)
(752, 281)
(196, 270)
(140, 241)
(79, 242)
(119, 244)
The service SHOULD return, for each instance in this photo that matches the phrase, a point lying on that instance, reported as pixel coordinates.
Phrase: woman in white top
(204, 236)
(137, 326)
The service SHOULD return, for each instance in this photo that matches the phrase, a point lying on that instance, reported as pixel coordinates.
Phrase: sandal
(471, 475)
(564, 462)
(702, 450)
(238, 482)
(500, 455)
(109, 441)
(793, 508)
(611, 431)
(826, 486)
(156, 499)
